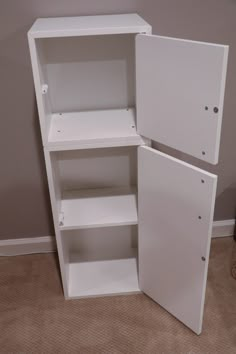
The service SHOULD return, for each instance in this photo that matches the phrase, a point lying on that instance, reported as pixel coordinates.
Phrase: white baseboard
(47, 244)
(15, 247)
(223, 228)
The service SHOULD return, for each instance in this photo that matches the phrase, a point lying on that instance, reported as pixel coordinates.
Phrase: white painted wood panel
(98, 168)
(88, 25)
(55, 197)
(43, 87)
(102, 243)
(176, 204)
(37, 76)
(98, 208)
(94, 129)
(179, 84)
(103, 278)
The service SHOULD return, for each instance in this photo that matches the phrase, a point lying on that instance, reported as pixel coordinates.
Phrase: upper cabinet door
(180, 93)
(176, 204)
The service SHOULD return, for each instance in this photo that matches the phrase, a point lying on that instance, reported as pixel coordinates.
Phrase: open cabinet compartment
(88, 89)
(96, 187)
(97, 216)
(101, 261)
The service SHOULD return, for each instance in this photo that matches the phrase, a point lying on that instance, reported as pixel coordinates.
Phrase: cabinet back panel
(101, 244)
(97, 168)
(90, 73)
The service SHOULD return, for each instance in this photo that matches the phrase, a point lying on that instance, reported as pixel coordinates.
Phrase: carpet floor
(35, 318)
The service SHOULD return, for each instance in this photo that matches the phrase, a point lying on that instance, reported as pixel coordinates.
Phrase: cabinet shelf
(92, 129)
(98, 208)
(99, 278)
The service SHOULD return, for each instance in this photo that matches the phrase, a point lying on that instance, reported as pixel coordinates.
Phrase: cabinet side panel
(45, 89)
(55, 196)
(39, 80)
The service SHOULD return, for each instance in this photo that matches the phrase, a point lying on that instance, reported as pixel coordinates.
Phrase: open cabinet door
(176, 204)
(180, 92)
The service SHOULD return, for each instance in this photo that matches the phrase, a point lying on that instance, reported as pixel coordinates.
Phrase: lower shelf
(98, 208)
(101, 278)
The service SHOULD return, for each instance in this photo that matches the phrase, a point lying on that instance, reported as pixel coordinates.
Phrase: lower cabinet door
(175, 206)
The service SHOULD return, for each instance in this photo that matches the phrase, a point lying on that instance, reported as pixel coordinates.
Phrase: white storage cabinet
(127, 217)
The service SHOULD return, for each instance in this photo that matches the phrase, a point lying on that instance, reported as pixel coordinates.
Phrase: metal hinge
(61, 219)
(44, 89)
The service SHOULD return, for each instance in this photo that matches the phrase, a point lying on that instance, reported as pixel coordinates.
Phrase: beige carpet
(35, 318)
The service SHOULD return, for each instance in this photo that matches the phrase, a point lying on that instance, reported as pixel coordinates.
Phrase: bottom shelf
(111, 277)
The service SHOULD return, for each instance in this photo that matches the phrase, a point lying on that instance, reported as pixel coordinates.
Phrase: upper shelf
(88, 25)
(93, 129)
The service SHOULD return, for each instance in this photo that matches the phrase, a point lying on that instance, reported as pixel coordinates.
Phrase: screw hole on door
(203, 259)
(216, 110)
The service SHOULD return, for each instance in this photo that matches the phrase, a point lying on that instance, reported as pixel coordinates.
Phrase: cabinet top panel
(88, 25)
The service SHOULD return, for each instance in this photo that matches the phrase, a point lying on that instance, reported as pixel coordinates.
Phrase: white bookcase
(127, 217)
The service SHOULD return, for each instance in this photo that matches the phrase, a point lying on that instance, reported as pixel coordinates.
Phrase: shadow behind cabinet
(128, 217)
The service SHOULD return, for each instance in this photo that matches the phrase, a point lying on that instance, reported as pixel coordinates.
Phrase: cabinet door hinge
(61, 219)
(44, 89)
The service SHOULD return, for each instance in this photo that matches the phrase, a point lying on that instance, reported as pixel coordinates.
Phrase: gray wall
(24, 204)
